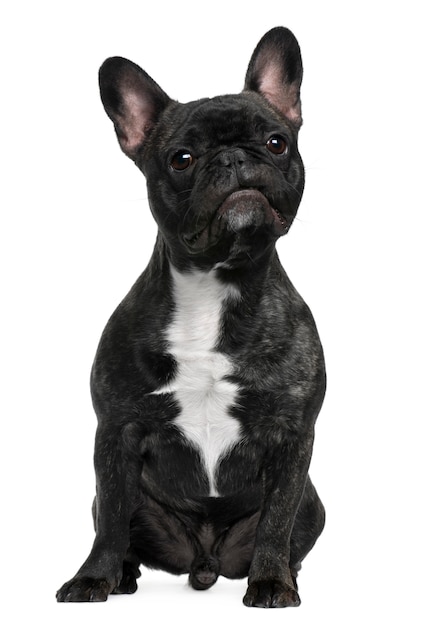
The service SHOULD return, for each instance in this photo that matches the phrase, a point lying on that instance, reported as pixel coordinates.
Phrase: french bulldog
(210, 374)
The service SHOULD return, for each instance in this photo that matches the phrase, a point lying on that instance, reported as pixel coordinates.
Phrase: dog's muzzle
(243, 211)
(250, 209)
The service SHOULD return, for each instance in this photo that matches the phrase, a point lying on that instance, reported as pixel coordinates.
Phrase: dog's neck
(250, 275)
(241, 296)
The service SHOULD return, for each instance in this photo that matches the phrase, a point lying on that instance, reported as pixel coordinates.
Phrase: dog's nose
(229, 158)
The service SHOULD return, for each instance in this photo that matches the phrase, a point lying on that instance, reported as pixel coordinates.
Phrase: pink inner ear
(272, 78)
(285, 97)
(134, 122)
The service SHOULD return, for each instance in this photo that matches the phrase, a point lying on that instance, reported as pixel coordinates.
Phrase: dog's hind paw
(204, 573)
(128, 584)
(84, 589)
(271, 594)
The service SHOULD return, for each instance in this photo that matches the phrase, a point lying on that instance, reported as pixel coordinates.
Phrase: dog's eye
(277, 145)
(181, 160)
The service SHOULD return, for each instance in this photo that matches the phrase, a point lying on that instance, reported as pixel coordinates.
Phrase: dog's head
(224, 175)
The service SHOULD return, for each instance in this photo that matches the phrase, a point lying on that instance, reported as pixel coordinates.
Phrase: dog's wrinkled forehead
(221, 121)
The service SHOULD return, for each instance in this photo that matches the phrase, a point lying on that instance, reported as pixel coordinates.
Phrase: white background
(76, 232)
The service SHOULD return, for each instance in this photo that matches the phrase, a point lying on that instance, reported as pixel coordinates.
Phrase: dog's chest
(200, 386)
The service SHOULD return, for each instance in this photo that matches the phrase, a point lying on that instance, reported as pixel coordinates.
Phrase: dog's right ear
(132, 100)
(275, 71)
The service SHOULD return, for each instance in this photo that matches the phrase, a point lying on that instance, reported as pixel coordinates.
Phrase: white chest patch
(199, 386)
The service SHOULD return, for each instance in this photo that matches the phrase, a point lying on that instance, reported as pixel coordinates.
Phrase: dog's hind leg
(131, 572)
(160, 539)
(309, 523)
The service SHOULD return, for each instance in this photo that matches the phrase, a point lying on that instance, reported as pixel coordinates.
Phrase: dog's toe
(204, 573)
(84, 589)
(128, 584)
(271, 594)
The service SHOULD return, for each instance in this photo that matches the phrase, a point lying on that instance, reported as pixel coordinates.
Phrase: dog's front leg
(117, 476)
(270, 582)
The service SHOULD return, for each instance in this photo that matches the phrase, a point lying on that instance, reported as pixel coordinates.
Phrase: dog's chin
(244, 212)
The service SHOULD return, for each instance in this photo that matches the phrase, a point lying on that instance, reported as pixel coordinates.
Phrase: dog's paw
(204, 573)
(128, 584)
(271, 594)
(84, 589)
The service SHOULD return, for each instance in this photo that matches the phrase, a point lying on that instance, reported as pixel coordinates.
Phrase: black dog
(209, 375)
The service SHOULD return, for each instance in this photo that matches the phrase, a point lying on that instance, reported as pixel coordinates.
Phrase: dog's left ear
(275, 71)
(132, 100)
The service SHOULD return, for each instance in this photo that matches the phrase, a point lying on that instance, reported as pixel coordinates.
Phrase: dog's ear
(132, 100)
(275, 71)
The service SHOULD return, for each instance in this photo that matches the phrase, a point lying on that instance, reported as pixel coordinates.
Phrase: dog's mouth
(243, 211)
(249, 208)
